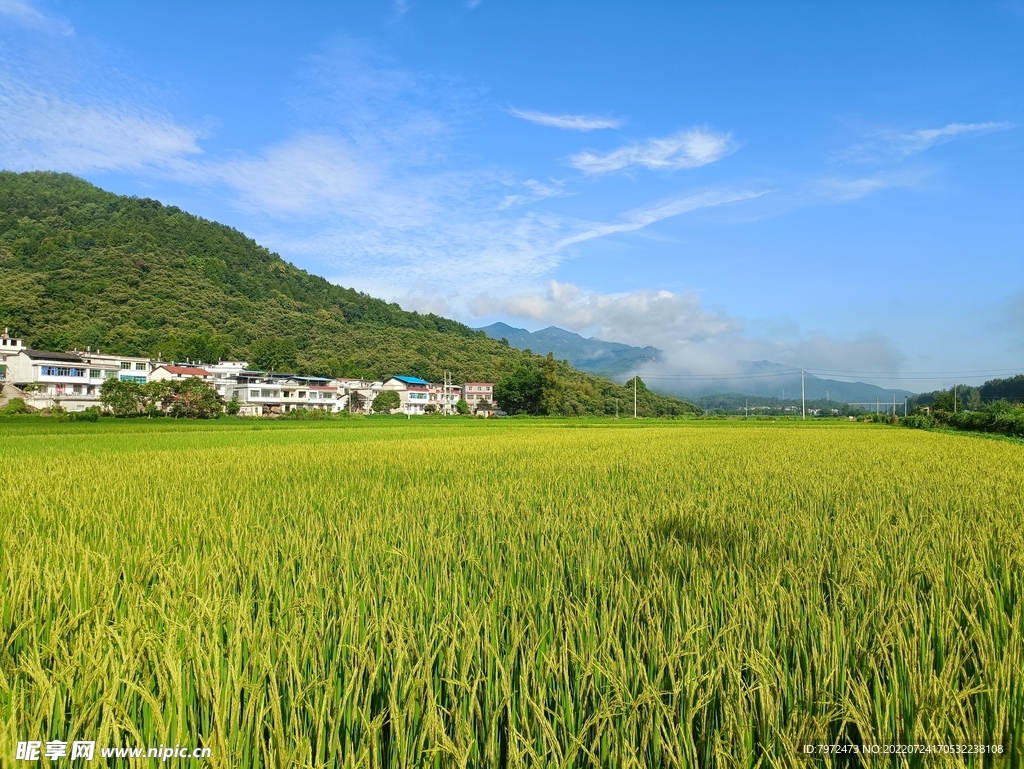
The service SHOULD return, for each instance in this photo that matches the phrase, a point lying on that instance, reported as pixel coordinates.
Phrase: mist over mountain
(610, 359)
(764, 378)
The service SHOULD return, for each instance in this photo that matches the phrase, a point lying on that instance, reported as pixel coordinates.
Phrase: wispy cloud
(901, 144)
(25, 13)
(40, 130)
(642, 217)
(838, 189)
(686, 149)
(568, 122)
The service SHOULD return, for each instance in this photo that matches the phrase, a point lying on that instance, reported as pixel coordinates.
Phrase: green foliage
(1000, 417)
(189, 398)
(305, 415)
(519, 391)
(386, 402)
(461, 406)
(91, 414)
(192, 398)
(273, 354)
(232, 407)
(122, 398)
(551, 389)
(16, 406)
(80, 266)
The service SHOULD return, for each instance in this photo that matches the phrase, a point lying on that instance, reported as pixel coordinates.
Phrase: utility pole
(904, 406)
(894, 404)
(634, 396)
(803, 399)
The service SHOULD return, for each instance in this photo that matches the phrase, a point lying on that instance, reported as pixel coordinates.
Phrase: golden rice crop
(559, 594)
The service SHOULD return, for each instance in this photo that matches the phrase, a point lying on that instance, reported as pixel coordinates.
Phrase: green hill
(80, 267)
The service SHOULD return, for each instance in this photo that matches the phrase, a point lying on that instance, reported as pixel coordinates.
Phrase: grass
(510, 593)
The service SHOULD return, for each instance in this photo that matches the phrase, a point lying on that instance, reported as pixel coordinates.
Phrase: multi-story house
(262, 394)
(477, 393)
(356, 395)
(413, 391)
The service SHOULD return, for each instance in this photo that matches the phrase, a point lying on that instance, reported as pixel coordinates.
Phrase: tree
(153, 397)
(519, 391)
(484, 406)
(356, 400)
(124, 398)
(550, 386)
(233, 406)
(273, 354)
(462, 407)
(193, 398)
(386, 402)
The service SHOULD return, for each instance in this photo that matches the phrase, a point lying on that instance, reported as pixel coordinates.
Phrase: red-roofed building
(171, 373)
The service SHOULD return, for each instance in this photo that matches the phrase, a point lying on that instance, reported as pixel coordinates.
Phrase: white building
(413, 391)
(356, 395)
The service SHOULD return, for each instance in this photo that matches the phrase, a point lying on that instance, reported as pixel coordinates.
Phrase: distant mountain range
(758, 379)
(607, 359)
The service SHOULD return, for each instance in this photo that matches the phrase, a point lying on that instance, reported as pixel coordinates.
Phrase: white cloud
(307, 175)
(45, 131)
(836, 189)
(686, 149)
(640, 218)
(568, 122)
(26, 14)
(901, 144)
(640, 318)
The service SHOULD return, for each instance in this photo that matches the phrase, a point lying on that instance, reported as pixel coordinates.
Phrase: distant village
(73, 381)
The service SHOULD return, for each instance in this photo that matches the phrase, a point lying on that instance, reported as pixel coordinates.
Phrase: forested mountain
(80, 267)
(610, 359)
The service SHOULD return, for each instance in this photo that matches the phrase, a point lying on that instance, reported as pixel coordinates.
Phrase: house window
(77, 390)
(109, 374)
(94, 373)
(140, 366)
(254, 393)
(60, 371)
(125, 365)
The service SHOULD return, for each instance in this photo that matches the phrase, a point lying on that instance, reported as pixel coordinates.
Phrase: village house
(167, 372)
(477, 393)
(71, 380)
(356, 395)
(414, 392)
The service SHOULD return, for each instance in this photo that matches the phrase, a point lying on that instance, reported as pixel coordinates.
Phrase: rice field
(384, 593)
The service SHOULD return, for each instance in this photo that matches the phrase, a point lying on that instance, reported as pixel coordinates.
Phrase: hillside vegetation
(84, 267)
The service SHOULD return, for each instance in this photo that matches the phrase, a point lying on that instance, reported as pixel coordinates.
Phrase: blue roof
(411, 380)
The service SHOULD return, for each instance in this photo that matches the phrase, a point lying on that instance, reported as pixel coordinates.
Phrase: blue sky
(839, 188)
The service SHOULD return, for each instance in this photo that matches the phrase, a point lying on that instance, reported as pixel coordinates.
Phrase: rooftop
(411, 380)
(65, 357)
(186, 370)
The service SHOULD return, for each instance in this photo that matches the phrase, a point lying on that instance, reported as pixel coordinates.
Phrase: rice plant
(555, 594)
